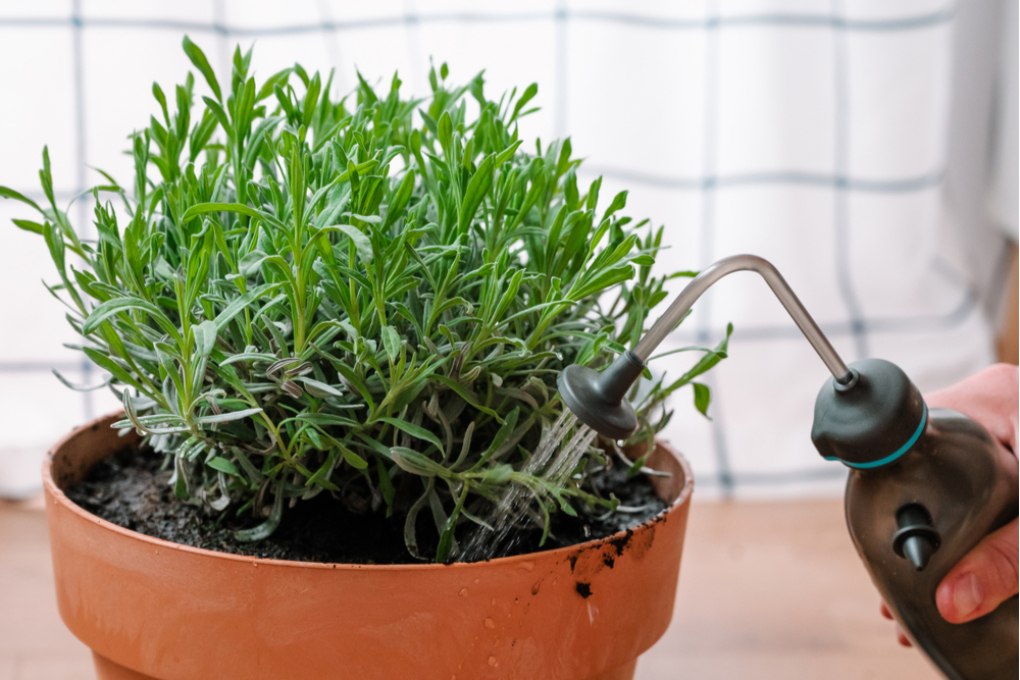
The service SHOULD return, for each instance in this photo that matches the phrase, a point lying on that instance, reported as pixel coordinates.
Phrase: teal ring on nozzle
(892, 457)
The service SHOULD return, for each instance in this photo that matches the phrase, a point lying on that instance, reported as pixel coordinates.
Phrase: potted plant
(335, 331)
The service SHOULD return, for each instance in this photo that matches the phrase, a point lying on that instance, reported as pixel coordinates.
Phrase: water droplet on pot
(463, 592)
(489, 623)
(477, 580)
(493, 602)
(528, 566)
(534, 588)
(492, 661)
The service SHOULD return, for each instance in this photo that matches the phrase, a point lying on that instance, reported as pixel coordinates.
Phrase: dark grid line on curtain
(841, 207)
(900, 185)
(825, 21)
(222, 47)
(330, 41)
(84, 364)
(710, 107)
(560, 71)
(415, 55)
(820, 180)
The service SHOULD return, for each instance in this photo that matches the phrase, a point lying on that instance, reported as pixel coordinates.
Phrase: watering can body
(953, 471)
(924, 488)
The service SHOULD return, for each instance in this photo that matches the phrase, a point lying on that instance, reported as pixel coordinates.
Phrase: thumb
(985, 577)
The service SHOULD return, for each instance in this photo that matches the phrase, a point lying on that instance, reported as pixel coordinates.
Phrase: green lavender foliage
(312, 295)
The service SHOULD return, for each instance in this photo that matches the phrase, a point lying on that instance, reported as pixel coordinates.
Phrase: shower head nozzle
(599, 399)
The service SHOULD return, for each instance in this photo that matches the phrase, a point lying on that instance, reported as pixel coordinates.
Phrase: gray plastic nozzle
(599, 399)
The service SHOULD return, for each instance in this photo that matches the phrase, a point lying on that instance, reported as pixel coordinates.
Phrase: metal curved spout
(698, 285)
(599, 399)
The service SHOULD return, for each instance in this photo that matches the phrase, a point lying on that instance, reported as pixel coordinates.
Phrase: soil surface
(129, 489)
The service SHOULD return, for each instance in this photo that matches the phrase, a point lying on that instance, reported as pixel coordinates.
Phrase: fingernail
(967, 594)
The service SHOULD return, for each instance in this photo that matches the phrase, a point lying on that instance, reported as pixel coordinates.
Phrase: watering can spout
(599, 400)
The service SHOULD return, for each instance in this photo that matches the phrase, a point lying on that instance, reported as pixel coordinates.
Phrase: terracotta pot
(149, 608)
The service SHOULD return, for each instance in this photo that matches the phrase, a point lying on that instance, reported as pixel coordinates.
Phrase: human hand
(987, 575)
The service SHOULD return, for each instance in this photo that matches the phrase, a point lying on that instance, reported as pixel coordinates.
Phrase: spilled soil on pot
(130, 490)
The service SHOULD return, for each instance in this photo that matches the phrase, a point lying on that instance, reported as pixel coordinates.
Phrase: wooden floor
(767, 590)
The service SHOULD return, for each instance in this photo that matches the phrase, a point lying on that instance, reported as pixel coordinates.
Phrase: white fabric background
(848, 141)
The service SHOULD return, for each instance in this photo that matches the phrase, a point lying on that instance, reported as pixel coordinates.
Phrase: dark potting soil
(129, 489)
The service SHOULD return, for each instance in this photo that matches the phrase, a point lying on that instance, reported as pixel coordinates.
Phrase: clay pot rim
(57, 494)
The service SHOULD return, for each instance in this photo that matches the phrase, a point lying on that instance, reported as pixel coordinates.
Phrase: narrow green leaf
(266, 529)
(197, 57)
(202, 208)
(110, 366)
(205, 337)
(702, 397)
(415, 431)
(356, 382)
(463, 394)
(6, 192)
(223, 465)
(238, 304)
(29, 225)
(417, 463)
(445, 130)
(526, 97)
(227, 417)
(361, 242)
(112, 307)
(507, 153)
(391, 341)
(353, 459)
(319, 389)
(477, 188)
(619, 202)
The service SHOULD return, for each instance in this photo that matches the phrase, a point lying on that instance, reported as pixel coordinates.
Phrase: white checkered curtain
(847, 141)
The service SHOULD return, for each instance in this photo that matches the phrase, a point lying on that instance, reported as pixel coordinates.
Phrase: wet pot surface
(151, 608)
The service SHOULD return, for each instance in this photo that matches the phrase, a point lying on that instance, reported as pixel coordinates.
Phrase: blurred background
(867, 148)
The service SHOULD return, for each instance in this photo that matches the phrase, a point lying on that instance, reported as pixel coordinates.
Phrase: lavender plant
(310, 295)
